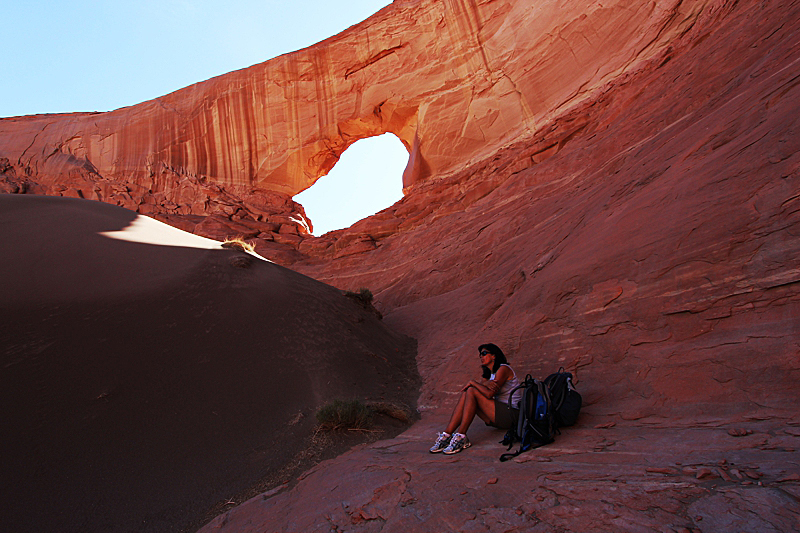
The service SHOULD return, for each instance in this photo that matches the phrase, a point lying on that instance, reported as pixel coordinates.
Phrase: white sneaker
(442, 440)
(458, 442)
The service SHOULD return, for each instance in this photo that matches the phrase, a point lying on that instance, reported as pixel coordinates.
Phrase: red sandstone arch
(454, 80)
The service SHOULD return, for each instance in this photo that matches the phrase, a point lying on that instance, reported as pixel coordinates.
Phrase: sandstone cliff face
(649, 230)
(609, 188)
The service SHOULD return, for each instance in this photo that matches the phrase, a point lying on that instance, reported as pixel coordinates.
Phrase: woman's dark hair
(499, 359)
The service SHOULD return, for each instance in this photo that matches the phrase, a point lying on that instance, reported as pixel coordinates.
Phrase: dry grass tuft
(363, 297)
(347, 415)
(353, 415)
(237, 243)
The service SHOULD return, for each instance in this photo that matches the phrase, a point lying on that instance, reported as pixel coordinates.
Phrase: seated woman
(487, 398)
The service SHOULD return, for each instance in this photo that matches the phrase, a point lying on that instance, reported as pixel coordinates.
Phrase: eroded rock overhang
(454, 80)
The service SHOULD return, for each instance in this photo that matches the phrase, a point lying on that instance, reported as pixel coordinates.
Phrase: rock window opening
(367, 178)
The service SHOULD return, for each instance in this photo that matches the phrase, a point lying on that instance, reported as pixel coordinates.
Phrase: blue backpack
(544, 407)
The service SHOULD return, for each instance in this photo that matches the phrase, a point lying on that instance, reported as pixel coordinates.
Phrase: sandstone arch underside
(453, 80)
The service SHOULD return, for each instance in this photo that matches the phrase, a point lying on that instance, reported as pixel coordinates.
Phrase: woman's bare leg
(455, 418)
(474, 403)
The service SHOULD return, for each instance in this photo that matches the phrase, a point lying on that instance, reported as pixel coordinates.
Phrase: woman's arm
(490, 388)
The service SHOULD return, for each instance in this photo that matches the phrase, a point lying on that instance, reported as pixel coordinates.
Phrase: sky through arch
(367, 178)
(115, 54)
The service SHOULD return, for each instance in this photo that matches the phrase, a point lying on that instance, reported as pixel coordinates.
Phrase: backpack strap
(526, 386)
(522, 448)
(514, 433)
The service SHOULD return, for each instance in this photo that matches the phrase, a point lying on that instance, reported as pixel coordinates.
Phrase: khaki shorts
(504, 416)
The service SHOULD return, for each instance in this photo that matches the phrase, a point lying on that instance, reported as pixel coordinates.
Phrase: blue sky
(60, 56)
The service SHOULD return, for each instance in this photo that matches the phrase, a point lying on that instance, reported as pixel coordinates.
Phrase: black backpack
(545, 406)
(565, 399)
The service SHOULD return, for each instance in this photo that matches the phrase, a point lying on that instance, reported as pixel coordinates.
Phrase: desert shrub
(241, 261)
(237, 243)
(344, 415)
(363, 295)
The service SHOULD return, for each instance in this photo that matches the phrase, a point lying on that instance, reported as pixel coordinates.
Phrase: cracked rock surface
(615, 479)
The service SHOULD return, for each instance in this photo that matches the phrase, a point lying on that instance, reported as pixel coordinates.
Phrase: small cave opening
(367, 179)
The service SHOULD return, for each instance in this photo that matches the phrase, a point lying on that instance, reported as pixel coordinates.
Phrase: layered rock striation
(647, 237)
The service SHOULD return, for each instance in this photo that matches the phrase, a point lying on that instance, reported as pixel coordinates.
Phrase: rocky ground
(594, 478)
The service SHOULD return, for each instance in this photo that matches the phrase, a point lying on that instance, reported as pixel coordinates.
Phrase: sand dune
(142, 383)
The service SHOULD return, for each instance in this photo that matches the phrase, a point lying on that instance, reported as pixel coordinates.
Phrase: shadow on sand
(144, 385)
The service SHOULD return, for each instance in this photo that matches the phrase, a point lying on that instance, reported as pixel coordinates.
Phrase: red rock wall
(583, 179)
(647, 239)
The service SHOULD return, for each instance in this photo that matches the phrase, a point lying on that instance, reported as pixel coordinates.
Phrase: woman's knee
(471, 394)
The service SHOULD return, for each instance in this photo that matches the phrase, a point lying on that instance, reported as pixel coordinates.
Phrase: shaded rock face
(629, 212)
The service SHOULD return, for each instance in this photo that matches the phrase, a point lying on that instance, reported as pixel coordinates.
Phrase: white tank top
(505, 390)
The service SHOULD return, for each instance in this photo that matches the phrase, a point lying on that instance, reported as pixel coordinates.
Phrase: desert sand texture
(145, 385)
